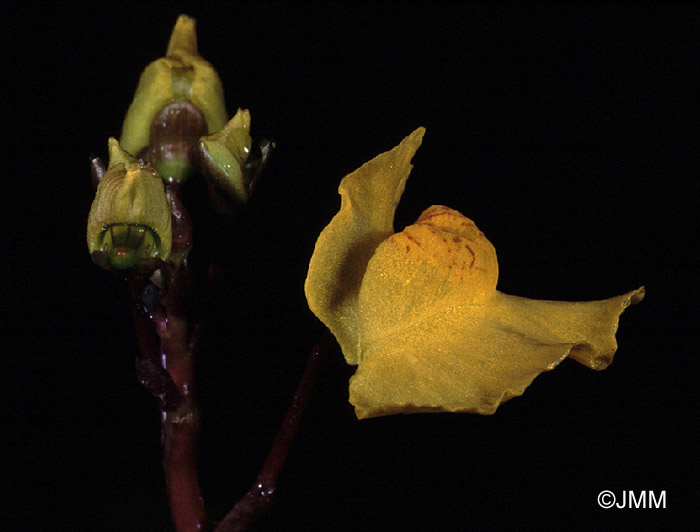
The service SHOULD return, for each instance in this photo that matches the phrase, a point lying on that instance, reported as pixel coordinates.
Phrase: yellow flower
(419, 313)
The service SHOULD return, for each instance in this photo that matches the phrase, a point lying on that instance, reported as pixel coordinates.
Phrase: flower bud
(224, 155)
(129, 225)
(189, 83)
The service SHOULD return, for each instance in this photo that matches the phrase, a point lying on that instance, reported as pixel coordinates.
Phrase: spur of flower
(418, 311)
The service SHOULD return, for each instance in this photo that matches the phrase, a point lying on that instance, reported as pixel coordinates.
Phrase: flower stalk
(166, 370)
(259, 497)
(138, 228)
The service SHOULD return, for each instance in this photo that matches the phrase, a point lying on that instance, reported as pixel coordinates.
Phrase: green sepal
(224, 155)
(117, 155)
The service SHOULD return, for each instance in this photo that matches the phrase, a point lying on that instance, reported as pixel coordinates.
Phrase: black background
(568, 133)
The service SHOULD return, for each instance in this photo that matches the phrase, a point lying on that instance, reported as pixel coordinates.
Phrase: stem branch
(259, 497)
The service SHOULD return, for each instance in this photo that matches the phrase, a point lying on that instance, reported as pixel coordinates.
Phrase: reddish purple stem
(166, 369)
(259, 497)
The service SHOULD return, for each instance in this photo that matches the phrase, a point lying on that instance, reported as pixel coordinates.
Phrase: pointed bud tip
(224, 154)
(184, 37)
(118, 155)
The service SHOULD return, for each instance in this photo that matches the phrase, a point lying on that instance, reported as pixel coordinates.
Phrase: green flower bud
(224, 155)
(129, 225)
(181, 76)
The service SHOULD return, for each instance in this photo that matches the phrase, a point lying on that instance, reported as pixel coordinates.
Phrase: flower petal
(441, 261)
(471, 358)
(436, 335)
(369, 197)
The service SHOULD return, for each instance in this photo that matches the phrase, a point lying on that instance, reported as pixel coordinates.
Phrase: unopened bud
(224, 155)
(129, 225)
(180, 77)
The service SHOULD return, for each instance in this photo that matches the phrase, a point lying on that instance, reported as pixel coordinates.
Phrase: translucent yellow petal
(471, 358)
(369, 197)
